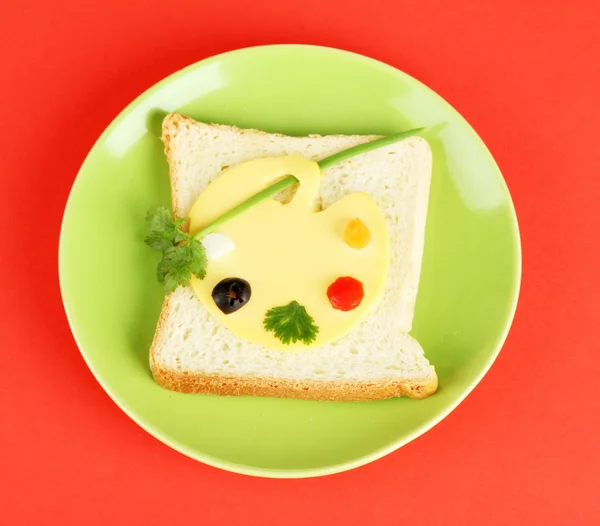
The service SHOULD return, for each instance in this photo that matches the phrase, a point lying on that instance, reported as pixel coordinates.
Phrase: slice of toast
(194, 353)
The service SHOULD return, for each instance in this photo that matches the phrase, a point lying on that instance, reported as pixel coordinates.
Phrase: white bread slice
(194, 353)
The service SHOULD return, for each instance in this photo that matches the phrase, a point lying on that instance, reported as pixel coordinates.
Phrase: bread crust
(339, 391)
(333, 390)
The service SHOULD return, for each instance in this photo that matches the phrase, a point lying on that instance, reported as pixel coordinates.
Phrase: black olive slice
(231, 294)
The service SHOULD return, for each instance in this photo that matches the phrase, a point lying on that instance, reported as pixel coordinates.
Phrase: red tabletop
(522, 448)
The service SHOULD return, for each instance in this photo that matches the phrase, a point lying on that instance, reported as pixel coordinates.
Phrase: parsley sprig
(291, 323)
(182, 254)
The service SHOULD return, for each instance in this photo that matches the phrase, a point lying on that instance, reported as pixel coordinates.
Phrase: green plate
(469, 285)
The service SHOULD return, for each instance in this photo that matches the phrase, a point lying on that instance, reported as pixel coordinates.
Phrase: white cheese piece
(217, 245)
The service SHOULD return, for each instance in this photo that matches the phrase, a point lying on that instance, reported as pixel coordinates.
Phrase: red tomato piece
(345, 293)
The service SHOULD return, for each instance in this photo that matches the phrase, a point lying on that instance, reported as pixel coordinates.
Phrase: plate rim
(249, 470)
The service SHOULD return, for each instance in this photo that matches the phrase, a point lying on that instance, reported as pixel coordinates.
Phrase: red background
(523, 447)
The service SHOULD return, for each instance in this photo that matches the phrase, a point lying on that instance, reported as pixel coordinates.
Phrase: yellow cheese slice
(290, 251)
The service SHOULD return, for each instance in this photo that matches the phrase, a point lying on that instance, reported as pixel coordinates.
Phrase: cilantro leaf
(162, 231)
(198, 260)
(291, 323)
(183, 255)
(174, 267)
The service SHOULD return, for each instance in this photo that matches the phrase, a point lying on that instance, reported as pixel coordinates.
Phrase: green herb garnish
(291, 323)
(183, 255)
(366, 147)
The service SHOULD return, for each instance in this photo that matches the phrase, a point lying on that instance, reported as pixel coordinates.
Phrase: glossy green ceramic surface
(469, 284)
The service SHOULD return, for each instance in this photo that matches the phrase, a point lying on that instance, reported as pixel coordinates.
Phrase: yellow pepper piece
(356, 234)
